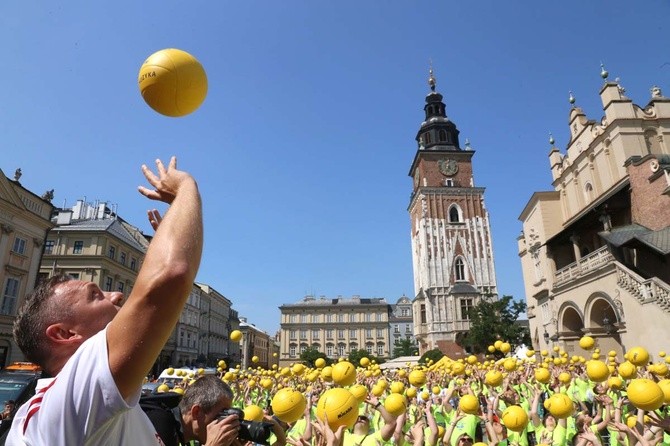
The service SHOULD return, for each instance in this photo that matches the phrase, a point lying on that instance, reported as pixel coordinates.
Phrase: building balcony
(587, 264)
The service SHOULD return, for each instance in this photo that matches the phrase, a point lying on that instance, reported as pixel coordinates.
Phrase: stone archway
(570, 326)
(602, 322)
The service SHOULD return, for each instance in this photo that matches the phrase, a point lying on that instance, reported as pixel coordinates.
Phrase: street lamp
(607, 325)
(546, 337)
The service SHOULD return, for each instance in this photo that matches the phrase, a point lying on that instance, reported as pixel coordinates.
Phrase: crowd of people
(440, 410)
(98, 346)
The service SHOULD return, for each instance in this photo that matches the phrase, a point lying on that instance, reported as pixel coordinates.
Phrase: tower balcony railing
(583, 266)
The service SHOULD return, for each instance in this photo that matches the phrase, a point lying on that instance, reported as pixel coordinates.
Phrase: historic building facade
(256, 344)
(335, 327)
(452, 250)
(595, 250)
(401, 324)
(24, 222)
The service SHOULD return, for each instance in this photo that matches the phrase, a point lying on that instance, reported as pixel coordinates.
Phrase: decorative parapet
(592, 262)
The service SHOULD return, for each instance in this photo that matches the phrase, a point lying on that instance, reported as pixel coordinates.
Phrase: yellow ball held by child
(338, 407)
(288, 405)
(515, 418)
(172, 82)
(344, 373)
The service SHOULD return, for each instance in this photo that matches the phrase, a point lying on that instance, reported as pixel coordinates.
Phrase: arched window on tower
(442, 135)
(426, 138)
(455, 215)
(588, 192)
(459, 269)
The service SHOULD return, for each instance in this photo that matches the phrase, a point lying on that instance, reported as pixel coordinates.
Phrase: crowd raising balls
(99, 345)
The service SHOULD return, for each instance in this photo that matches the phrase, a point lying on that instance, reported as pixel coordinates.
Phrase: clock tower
(452, 253)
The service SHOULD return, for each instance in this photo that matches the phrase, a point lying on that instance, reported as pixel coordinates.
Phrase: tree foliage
(310, 355)
(355, 357)
(404, 347)
(434, 355)
(493, 320)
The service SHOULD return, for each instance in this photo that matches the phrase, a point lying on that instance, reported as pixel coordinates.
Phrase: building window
(380, 332)
(368, 317)
(120, 286)
(291, 351)
(408, 328)
(329, 350)
(449, 182)
(122, 258)
(404, 312)
(329, 317)
(9, 296)
(352, 333)
(368, 348)
(423, 313)
(74, 276)
(49, 246)
(340, 317)
(341, 349)
(293, 318)
(315, 334)
(111, 252)
(303, 347)
(396, 329)
(352, 317)
(292, 334)
(426, 138)
(108, 284)
(303, 334)
(340, 334)
(380, 350)
(78, 247)
(303, 318)
(454, 214)
(588, 192)
(19, 246)
(368, 333)
(329, 333)
(133, 263)
(442, 135)
(459, 268)
(466, 305)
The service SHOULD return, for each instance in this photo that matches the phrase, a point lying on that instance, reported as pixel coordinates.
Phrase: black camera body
(255, 431)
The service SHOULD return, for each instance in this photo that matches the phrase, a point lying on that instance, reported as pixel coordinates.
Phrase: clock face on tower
(448, 167)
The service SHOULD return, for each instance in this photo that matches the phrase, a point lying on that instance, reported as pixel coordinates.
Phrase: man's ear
(59, 333)
(196, 411)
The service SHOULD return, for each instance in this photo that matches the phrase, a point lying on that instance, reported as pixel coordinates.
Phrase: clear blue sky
(303, 144)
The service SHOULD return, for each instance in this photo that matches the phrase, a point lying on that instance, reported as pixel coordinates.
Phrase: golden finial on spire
(431, 78)
(571, 99)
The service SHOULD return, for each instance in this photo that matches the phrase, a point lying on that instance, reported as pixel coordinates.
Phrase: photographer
(199, 410)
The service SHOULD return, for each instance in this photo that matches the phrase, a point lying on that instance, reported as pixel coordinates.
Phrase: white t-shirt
(82, 406)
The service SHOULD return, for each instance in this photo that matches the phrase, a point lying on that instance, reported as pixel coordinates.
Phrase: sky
(303, 145)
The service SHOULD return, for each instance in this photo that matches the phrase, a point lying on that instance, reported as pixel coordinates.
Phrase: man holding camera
(199, 411)
(207, 417)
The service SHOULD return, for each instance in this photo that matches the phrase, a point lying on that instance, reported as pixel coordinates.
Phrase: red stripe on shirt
(35, 404)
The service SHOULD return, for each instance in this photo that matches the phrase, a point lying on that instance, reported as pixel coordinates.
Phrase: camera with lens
(255, 431)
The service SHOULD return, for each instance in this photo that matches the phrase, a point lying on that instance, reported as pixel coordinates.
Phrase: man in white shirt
(100, 352)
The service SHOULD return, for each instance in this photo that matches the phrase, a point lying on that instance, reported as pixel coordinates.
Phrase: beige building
(255, 343)
(335, 327)
(595, 250)
(24, 222)
(217, 320)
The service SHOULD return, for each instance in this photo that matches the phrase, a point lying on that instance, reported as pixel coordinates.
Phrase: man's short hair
(207, 392)
(33, 318)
